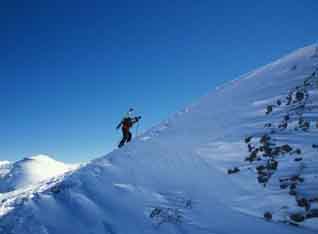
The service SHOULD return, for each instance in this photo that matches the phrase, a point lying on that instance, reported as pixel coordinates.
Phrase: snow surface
(173, 178)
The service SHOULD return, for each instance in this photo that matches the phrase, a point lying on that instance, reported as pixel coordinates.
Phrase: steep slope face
(29, 171)
(173, 179)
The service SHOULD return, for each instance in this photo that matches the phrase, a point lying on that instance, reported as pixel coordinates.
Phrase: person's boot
(121, 144)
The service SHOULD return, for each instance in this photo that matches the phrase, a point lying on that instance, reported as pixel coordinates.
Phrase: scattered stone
(55, 190)
(306, 125)
(312, 214)
(272, 131)
(283, 125)
(303, 202)
(284, 186)
(232, 171)
(283, 180)
(297, 217)
(279, 102)
(260, 168)
(269, 109)
(292, 192)
(248, 139)
(267, 125)
(298, 159)
(188, 204)
(300, 121)
(250, 148)
(166, 215)
(286, 148)
(264, 139)
(155, 212)
(262, 179)
(289, 99)
(301, 180)
(272, 165)
(252, 156)
(286, 117)
(294, 178)
(268, 151)
(300, 96)
(268, 216)
(293, 224)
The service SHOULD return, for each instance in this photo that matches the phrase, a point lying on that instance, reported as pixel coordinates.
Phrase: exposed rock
(234, 170)
(284, 186)
(298, 159)
(252, 156)
(268, 216)
(264, 139)
(283, 125)
(262, 179)
(286, 148)
(286, 117)
(269, 109)
(293, 68)
(303, 203)
(312, 214)
(293, 186)
(306, 125)
(165, 215)
(260, 168)
(297, 217)
(155, 212)
(272, 165)
(292, 192)
(248, 139)
(250, 148)
(300, 96)
(188, 204)
(267, 125)
(55, 189)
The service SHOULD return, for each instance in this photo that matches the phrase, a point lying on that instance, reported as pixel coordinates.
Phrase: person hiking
(127, 122)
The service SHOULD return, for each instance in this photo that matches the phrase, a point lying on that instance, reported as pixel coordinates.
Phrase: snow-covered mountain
(29, 171)
(4, 162)
(241, 160)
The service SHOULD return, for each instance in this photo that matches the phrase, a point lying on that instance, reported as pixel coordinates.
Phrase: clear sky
(70, 69)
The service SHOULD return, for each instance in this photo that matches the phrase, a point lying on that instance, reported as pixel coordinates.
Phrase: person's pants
(126, 137)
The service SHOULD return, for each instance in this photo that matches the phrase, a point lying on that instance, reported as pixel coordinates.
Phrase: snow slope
(29, 171)
(174, 178)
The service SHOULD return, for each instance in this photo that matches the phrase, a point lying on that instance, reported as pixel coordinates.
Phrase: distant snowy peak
(4, 163)
(43, 159)
(29, 171)
(4, 169)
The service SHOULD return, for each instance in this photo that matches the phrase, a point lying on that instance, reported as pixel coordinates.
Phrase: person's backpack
(127, 122)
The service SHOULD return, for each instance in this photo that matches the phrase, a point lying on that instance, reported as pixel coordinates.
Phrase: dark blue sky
(70, 69)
